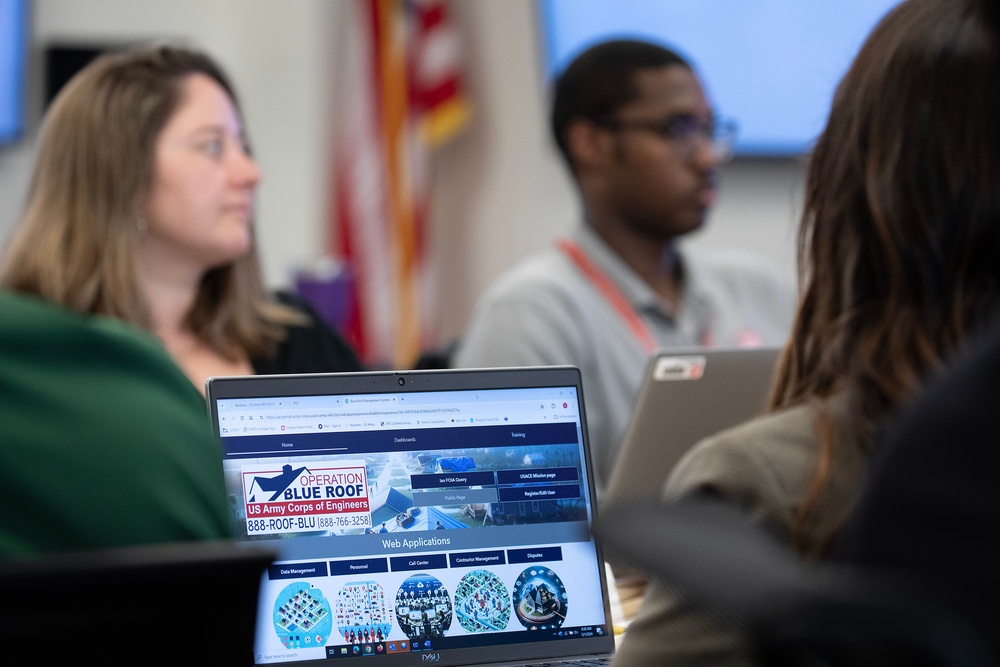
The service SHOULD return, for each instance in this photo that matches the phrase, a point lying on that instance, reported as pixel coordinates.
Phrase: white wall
(501, 190)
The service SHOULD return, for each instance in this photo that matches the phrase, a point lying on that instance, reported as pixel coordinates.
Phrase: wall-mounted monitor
(13, 66)
(63, 61)
(771, 65)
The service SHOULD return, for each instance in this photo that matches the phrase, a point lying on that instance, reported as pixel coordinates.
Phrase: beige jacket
(767, 465)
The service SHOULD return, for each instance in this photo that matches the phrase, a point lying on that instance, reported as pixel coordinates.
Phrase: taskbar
(441, 643)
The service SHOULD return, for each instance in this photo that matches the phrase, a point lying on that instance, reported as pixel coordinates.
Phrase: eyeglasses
(684, 130)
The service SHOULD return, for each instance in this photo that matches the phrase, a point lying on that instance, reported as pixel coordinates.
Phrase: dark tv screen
(771, 65)
(13, 64)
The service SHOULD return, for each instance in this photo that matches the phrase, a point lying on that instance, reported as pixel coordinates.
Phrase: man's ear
(588, 143)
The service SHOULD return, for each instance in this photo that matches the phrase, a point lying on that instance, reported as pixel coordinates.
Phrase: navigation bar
(291, 444)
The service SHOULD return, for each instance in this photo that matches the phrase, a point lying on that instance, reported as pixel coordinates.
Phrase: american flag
(401, 97)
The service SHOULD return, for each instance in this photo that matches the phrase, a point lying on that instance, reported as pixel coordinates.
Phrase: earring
(142, 226)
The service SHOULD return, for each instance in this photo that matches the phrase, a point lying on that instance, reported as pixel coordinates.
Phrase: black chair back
(188, 603)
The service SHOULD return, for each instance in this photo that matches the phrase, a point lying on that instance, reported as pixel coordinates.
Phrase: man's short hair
(600, 81)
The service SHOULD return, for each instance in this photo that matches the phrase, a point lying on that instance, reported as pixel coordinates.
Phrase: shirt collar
(638, 292)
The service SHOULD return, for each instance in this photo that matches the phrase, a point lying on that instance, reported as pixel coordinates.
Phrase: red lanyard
(610, 291)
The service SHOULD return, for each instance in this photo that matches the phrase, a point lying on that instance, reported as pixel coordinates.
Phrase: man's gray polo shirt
(547, 311)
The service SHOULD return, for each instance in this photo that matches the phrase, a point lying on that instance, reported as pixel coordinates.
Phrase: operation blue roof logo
(328, 497)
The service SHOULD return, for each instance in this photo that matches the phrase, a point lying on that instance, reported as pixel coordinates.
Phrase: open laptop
(687, 395)
(420, 517)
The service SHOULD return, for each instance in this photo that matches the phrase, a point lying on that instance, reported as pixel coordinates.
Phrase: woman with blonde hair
(899, 257)
(141, 208)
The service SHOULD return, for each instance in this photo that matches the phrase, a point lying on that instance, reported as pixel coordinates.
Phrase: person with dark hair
(141, 208)
(642, 144)
(899, 261)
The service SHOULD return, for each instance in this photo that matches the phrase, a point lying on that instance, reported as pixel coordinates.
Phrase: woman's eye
(213, 147)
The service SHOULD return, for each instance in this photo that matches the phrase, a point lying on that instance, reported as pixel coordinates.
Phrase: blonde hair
(77, 240)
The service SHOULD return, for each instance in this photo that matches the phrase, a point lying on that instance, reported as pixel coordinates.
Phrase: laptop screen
(419, 517)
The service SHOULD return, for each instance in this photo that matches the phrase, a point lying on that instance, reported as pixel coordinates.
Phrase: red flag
(401, 97)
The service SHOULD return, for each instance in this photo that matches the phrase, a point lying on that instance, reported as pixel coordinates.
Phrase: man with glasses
(642, 144)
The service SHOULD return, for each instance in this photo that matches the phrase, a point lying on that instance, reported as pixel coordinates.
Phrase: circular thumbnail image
(302, 616)
(362, 613)
(423, 607)
(540, 599)
(481, 602)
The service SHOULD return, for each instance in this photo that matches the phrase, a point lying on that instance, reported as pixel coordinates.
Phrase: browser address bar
(309, 421)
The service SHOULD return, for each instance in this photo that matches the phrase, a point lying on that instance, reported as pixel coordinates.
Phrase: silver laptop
(687, 395)
(420, 517)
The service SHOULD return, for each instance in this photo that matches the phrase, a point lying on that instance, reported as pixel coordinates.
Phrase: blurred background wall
(500, 188)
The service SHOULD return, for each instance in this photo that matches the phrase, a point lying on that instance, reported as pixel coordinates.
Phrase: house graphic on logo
(273, 485)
